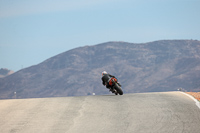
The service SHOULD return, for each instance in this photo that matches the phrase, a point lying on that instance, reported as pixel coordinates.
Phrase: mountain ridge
(164, 65)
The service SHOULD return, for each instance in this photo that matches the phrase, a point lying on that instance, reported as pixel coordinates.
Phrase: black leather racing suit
(105, 79)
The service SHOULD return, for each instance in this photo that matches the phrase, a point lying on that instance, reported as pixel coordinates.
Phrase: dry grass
(195, 95)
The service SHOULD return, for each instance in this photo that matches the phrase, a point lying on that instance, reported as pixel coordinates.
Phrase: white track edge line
(196, 101)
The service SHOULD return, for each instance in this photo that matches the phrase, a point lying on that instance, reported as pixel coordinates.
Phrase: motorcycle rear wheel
(118, 89)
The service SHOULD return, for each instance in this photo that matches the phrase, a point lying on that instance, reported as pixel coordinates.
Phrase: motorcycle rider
(106, 77)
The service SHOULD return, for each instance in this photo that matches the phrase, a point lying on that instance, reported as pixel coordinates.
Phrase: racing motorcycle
(115, 86)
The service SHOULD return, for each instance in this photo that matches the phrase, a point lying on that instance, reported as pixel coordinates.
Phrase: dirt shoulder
(195, 95)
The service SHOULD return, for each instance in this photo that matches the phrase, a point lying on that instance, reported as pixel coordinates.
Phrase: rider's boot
(112, 90)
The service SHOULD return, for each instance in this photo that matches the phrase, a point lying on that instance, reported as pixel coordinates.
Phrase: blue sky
(33, 31)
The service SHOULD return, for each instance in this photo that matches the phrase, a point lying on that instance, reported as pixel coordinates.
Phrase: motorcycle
(115, 86)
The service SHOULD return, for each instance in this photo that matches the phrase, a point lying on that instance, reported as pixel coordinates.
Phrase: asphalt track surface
(166, 112)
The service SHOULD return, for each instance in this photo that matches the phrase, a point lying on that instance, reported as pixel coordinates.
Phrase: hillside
(147, 67)
(5, 72)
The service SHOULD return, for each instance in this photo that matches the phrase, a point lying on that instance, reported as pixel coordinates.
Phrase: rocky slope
(147, 67)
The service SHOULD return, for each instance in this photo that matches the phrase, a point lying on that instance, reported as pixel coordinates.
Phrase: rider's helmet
(104, 72)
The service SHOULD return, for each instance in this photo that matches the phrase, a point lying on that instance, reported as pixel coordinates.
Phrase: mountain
(5, 72)
(165, 65)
